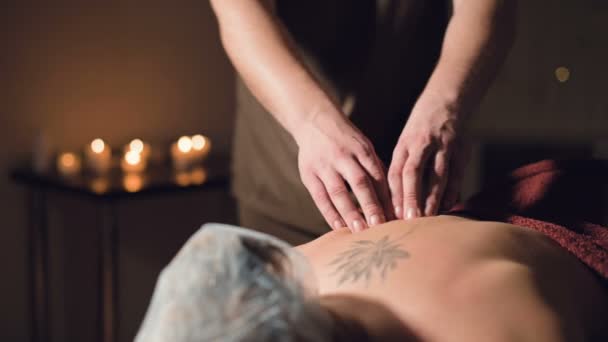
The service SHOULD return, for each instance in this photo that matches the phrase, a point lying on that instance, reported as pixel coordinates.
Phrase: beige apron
(373, 56)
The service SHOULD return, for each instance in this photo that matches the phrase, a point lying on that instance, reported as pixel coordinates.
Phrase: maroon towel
(565, 200)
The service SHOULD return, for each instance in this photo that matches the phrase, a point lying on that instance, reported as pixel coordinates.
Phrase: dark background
(155, 69)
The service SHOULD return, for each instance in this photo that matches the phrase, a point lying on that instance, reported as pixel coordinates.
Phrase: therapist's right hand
(333, 153)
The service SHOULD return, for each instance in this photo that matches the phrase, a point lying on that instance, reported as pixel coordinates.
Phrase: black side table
(107, 191)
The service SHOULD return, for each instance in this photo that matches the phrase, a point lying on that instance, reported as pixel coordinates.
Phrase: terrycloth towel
(565, 200)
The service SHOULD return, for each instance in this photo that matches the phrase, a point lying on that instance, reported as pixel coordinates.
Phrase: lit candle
(200, 148)
(181, 153)
(133, 162)
(98, 156)
(137, 145)
(68, 164)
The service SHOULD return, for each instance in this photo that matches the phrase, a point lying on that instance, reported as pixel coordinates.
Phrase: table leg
(38, 266)
(108, 254)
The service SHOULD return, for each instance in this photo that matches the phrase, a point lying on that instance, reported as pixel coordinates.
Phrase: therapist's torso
(373, 56)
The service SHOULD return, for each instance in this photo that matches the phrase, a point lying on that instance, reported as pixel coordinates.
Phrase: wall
(155, 69)
(114, 69)
(527, 101)
(527, 105)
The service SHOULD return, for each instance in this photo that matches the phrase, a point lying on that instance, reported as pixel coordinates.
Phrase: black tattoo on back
(364, 256)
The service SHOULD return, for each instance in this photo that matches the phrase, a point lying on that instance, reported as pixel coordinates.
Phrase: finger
(437, 183)
(377, 172)
(340, 197)
(395, 180)
(412, 181)
(323, 202)
(361, 184)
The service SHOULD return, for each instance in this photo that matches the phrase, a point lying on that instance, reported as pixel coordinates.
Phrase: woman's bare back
(451, 278)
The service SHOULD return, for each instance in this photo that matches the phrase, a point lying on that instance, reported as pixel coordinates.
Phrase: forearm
(477, 40)
(263, 54)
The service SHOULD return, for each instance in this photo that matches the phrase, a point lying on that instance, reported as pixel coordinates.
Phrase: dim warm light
(184, 144)
(98, 157)
(68, 159)
(133, 182)
(562, 74)
(133, 162)
(98, 146)
(136, 145)
(182, 178)
(68, 164)
(132, 158)
(198, 176)
(100, 185)
(198, 142)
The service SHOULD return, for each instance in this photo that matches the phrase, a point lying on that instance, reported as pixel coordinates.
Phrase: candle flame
(136, 145)
(68, 159)
(184, 144)
(132, 158)
(198, 142)
(98, 145)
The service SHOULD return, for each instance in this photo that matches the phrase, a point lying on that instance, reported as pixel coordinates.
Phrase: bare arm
(476, 43)
(478, 37)
(332, 150)
(262, 52)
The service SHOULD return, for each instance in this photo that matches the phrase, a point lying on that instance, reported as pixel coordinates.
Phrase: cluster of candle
(189, 152)
(135, 158)
(98, 159)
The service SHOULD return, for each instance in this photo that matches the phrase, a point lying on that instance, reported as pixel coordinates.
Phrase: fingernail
(375, 220)
(357, 226)
(398, 212)
(338, 224)
(410, 213)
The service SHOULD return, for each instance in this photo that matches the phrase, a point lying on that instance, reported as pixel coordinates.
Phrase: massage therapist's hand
(427, 163)
(333, 153)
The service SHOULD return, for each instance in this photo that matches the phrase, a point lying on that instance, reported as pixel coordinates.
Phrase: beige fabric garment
(377, 54)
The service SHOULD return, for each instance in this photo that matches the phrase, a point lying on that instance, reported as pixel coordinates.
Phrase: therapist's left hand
(426, 158)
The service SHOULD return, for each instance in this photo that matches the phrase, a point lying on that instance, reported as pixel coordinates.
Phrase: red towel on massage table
(565, 200)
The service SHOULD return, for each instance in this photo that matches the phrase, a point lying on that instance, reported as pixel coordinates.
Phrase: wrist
(320, 118)
(449, 100)
(437, 114)
(451, 90)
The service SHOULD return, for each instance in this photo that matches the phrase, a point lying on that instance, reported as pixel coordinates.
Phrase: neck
(361, 319)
